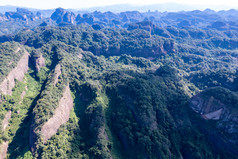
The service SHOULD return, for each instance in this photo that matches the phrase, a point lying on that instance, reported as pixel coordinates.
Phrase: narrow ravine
(21, 118)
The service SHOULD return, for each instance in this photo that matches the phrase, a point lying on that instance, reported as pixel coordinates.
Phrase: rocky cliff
(16, 74)
(62, 16)
(4, 145)
(3, 149)
(38, 60)
(23, 14)
(61, 116)
(57, 73)
(5, 121)
(219, 105)
(51, 126)
(2, 17)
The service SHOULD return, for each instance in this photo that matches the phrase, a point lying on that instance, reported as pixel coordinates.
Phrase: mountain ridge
(120, 85)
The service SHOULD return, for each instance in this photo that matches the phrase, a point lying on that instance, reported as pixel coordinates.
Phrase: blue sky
(78, 4)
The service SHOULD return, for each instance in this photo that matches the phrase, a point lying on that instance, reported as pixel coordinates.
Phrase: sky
(79, 4)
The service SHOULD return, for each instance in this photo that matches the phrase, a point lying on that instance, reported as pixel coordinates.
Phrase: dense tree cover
(124, 107)
(131, 90)
(206, 20)
(106, 42)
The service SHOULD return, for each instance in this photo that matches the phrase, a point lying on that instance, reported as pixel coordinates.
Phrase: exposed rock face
(62, 16)
(58, 15)
(4, 145)
(23, 94)
(80, 56)
(39, 15)
(16, 74)
(133, 16)
(39, 62)
(61, 116)
(208, 108)
(225, 133)
(2, 17)
(6, 88)
(87, 18)
(5, 120)
(69, 17)
(3, 149)
(57, 73)
(22, 14)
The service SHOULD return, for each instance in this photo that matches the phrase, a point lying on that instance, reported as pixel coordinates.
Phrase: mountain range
(163, 7)
(128, 85)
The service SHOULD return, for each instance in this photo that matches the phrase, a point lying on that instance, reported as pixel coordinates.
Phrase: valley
(119, 85)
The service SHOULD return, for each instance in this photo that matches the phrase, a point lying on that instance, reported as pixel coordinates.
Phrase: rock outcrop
(50, 128)
(219, 104)
(210, 109)
(6, 88)
(23, 14)
(23, 94)
(61, 116)
(57, 73)
(86, 18)
(16, 74)
(5, 120)
(4, 145)
(39, 62)
(62, 16)
(2, 17)
(3, 149)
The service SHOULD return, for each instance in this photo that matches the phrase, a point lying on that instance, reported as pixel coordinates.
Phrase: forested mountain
(208, 19)
(119, 85)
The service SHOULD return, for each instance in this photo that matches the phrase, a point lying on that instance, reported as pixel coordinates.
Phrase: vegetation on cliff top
(131, 90)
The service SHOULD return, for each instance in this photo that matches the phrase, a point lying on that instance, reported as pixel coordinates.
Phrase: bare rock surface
(16, 74)
(3, 150)
(39, 62)
(221, 106)
(80, 56)
(23, 94)
(57, 73)
(5, 120)
(209, 108)
(61, 116)
(4, 145)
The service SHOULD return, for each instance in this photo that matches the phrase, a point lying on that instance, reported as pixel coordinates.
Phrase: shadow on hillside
(20, 143)
(81, 141)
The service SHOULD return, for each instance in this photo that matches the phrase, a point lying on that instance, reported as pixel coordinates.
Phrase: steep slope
(61, 116)
(51, 113)
(16, 109)
(4, 145)
(17, 94)
(3, 150)
(219, 104)
(16, 74)
(117, 93)
(62, 16)
(37, 60)
(146, 114)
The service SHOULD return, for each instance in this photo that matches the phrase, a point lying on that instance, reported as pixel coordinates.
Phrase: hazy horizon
(72, 4)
